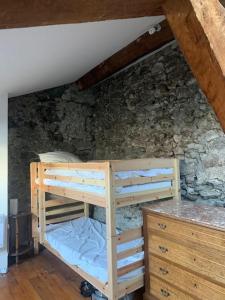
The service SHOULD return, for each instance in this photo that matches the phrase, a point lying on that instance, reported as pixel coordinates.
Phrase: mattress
(82, 242)
(100, 190)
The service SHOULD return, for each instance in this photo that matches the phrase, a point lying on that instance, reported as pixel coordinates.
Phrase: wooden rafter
(199, 28)
(143, 45)
(28, 13)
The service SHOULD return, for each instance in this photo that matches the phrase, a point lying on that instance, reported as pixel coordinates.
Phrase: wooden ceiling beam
(28, 13)
(143, 45)
(199, 28)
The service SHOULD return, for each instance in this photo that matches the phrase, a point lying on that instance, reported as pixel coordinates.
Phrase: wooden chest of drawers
(184, 251)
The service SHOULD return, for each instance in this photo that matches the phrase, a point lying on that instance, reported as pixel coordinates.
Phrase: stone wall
(152, 109)
(155, 109)
(56, 119)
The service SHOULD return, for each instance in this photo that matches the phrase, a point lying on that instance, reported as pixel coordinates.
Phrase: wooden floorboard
(43, 277)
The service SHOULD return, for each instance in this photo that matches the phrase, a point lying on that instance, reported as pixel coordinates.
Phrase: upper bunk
(123, 182)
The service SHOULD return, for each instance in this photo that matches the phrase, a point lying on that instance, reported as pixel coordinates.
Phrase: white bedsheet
(118, 175)
(99, 190)
(82, 242)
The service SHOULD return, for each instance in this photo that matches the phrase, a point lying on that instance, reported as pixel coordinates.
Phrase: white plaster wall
(37, 58)
(4, 176)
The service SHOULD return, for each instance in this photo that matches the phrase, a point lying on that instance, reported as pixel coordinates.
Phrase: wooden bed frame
(68, 204)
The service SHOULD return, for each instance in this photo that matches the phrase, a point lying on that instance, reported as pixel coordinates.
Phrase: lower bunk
(82, 244)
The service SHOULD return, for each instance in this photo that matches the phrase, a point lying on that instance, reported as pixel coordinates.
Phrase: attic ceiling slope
(38, 58)
(142, 46)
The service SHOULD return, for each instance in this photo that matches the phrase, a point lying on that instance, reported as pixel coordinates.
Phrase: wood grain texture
(143, 45)
(25, 13)
(43, 277)
(199, 28)
(183, 259)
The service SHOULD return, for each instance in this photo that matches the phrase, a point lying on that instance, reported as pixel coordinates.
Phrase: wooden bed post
(34, 206)
(176, 181)
(41, 197)
(86, 210)
(111, 235)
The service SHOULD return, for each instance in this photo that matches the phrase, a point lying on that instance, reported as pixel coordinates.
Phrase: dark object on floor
(86, 289)
(20, 241)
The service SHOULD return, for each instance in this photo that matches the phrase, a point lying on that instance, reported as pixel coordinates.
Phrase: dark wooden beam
(199, 29)
(143, 45)
(28, 13)
(222, 2)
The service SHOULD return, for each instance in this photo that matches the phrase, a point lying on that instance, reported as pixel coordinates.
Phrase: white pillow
(58, 157)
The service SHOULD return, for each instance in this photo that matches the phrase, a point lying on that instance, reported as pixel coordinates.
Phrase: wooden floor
(43, 277)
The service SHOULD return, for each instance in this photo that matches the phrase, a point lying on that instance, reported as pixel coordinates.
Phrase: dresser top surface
(204, 215)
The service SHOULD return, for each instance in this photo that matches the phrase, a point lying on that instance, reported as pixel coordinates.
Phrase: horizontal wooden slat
(80, 180)
(127, 287)
(142, 193)
(90, 166)
(130, 252)
(141, 164)
(80, 196)
(63, 219)
(129, 235)
(149, 196)
(64, 210)
(142, 180)
(60, 202)
(130, 267)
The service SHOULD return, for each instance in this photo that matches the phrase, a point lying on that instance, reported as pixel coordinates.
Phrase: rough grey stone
(166, 116)
(56, 119)
(152, 109)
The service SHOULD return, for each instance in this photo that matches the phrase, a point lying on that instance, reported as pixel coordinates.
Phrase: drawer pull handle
(163, 249)
(165, 293)
(162, 226)
(163, 271)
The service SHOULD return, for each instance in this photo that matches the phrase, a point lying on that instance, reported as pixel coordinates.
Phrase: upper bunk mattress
(82, 242)
(100, 190)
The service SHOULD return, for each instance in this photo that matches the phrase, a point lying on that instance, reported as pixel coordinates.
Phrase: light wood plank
(141, 164)
(151, 196)
(84, 181)
(125, 288)
(130, 252)
(63, 219)
(131, 267)
(111, 236)
(142, 180)
(79, 196)
(63, 210)
(129, 235)
(60, 202)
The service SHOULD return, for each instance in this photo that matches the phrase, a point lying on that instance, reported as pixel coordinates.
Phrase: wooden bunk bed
(120, 184)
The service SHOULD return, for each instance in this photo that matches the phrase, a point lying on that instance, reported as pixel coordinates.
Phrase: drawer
(187, 231)
(207, 264)
(186, 281)
(162, 290)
